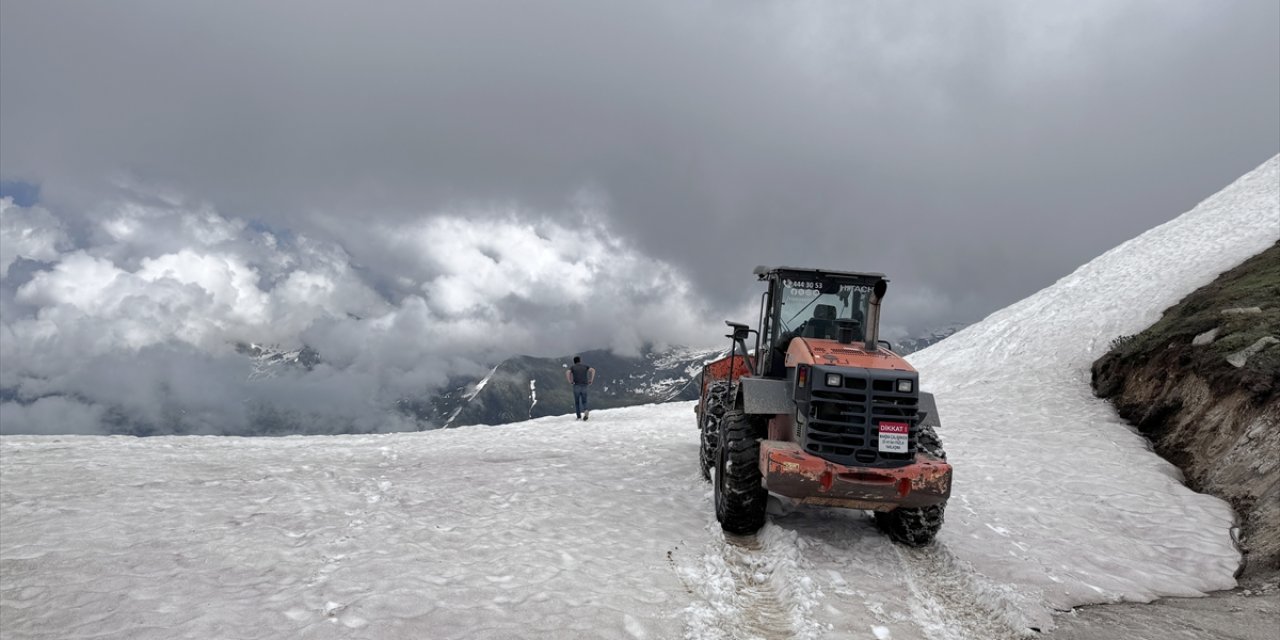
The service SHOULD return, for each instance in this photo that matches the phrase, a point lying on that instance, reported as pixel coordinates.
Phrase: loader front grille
(841, 423)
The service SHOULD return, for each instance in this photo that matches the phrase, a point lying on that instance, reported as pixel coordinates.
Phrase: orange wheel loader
(821, 411)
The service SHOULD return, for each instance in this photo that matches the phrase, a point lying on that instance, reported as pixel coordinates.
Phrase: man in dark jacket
(580, 376)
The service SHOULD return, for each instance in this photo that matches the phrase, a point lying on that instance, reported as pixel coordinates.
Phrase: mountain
(525, 387)
(514, 389)
(927, 338)
(270, 361)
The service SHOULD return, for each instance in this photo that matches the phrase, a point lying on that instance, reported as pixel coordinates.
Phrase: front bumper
(789, 471)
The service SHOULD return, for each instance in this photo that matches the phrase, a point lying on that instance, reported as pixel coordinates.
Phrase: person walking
(580, 376)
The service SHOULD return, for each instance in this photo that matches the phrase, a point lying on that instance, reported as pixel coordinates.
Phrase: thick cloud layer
(137, 331)
(974, 151)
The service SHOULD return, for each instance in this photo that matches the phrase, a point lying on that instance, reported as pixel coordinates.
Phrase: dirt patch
(1242, 614)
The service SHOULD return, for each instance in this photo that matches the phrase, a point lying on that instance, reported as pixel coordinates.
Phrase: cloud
(28, 232)
(53, 415)
(991, 146)
(139, 328)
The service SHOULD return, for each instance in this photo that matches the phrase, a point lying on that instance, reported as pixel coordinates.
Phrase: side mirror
(739, 330)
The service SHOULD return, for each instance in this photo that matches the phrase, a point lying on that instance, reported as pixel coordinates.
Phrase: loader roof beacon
(821, 411)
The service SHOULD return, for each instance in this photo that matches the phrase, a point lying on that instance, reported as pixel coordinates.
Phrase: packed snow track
(555, 529)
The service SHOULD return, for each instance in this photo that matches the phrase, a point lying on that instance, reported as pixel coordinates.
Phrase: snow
(680, 355)
(677, 366)
(470, 395)
(544, 529)
(553, 528)
(269, 362)
(1079, 506)
(663, 388)
(475, 391)
(454, 416)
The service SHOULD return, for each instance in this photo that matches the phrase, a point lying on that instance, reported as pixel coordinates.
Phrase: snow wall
(1052, 489)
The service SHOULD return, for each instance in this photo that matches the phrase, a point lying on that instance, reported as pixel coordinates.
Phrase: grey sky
(977, 149)
(974, 151)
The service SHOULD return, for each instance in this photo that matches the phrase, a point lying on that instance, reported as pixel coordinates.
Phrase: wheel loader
(821, 411)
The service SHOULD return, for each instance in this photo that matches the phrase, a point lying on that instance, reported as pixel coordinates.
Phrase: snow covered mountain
(526, 387)
(518, 388)
(927, 338)
(557, 529)
(522, 387)
(270, 361)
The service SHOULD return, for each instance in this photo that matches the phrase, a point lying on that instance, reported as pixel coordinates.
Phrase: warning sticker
(893, 437)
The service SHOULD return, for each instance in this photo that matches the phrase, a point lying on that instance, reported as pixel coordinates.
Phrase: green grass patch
(1255, 283)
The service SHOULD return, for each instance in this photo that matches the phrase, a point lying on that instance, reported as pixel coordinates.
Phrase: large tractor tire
(915, 527)
(713, 409)
(740, 496)
(929, 443)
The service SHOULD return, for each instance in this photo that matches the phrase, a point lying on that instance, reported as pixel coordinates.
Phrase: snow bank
(1052, 490)
(545, 529)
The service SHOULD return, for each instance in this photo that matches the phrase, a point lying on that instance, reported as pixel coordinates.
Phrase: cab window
(810, 308)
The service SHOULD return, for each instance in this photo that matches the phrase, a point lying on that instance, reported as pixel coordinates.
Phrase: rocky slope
(1203, 384)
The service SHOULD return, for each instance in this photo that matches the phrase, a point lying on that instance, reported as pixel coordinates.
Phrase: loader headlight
(834, 379)
(904, 386)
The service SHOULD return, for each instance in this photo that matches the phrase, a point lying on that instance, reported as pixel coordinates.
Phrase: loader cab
(818, 304)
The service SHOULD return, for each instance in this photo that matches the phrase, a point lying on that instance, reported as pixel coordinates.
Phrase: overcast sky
(548, 177)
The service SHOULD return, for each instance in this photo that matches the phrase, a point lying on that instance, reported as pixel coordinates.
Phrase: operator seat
(823, 323)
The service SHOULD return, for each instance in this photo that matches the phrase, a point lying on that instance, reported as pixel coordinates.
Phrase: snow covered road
(547, 529)
(533, 530)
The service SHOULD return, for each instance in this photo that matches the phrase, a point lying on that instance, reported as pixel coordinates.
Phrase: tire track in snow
(749, 587)
(950, 602)
(366, 502)
(918, 593)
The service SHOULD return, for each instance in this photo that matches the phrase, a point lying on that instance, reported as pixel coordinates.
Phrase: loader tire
(914, 527)
(740, 495)
(929, 443)
(716, 403)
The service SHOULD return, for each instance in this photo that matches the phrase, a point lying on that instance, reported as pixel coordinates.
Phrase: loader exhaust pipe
(872, 330)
